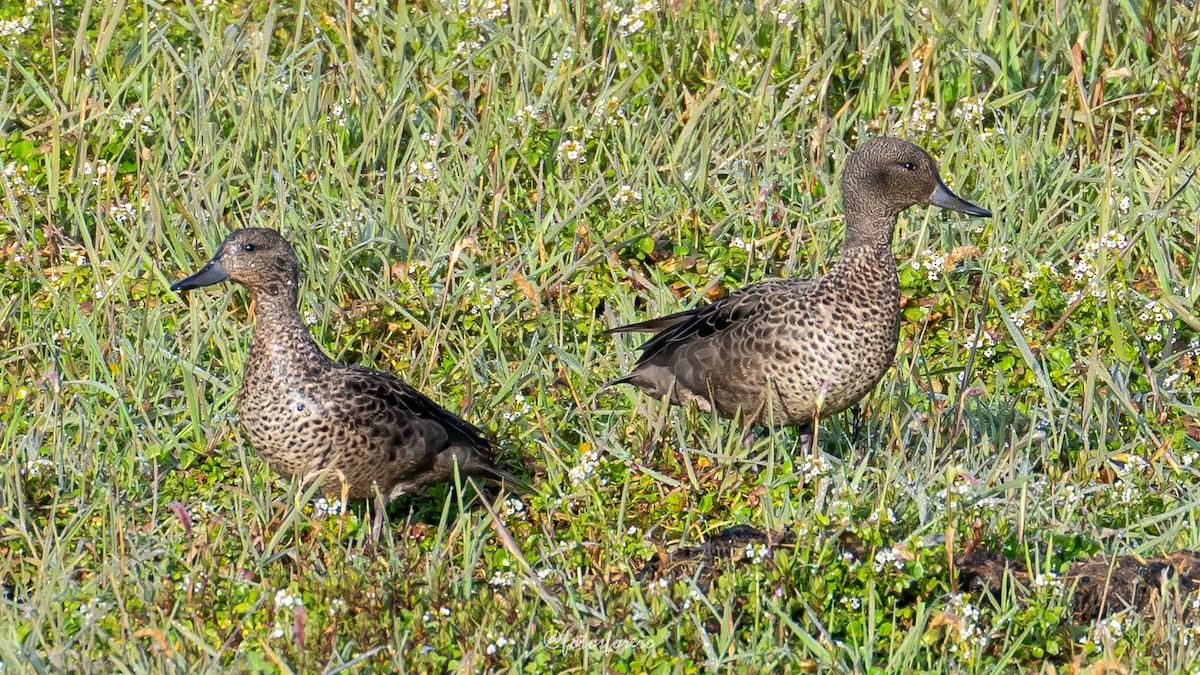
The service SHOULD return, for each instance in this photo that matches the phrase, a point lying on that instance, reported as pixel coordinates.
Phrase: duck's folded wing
(405, 417)
(713, 320)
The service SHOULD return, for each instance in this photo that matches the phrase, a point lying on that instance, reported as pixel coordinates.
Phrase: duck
(311, 417)
(784, 353)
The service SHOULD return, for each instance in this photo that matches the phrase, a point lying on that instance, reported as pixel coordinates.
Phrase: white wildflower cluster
(807, 96)
(1086, 274)
(525, 409)
(999, 132)
(443, 612)
(933, 262)
(633, 18)
(1125, 489)
(480, 11)
(92, 612)
(200, 511)
(123, 212)
(194, 584)
(970, 635)
(135, 116)
(1043, 269)
(1068, 497)
(969, 110)
(610, 113)
(757, 553)
(850, 602)
(15, 27)
(515, 508)
(529, 115)
(286, 599)
(889, 558)
(356, 217)
(571, 151)
(97, 171)
(337, 113)
(497, 643)
(814, 467)
(746, 59)
(12, 179)
(694, 594)
(921, 117)
(985, 345)
(467, 47)
(34, 467)
(503, 578)
(101, 289)
(208, 5)
(424, 172)
(1145, 113)
(324, 507)
(589, 461)
(1156, 318)
(431, 139)
(787, 13)
(1105, 632)
(1122, 205)
(886, 515)
(484, 295)
(1048, 583)
(755, 247)
(626, 197)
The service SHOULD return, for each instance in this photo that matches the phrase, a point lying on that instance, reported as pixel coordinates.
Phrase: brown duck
(782, 352)
(306, 414)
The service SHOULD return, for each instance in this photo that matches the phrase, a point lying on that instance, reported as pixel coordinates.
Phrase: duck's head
(886, 175)
(255, 257)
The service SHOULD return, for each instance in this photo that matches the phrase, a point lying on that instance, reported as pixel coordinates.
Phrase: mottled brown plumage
(777, 351)
(305, 413)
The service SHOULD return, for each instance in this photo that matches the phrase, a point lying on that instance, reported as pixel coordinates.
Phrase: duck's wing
(405, 423)
(719, 318)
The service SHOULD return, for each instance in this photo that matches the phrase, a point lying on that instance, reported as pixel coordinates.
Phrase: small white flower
(570, 151)
(757, 553)
(285, 598)
(626, 196)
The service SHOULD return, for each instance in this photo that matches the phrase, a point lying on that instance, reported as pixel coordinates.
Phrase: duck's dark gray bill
(943, 197)
(212, 273)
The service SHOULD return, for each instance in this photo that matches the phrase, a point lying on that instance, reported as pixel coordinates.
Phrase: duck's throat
(280, 333)
(872, 234)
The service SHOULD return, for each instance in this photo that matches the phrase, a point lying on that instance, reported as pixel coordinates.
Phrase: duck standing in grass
(307, 414)
(783, 353)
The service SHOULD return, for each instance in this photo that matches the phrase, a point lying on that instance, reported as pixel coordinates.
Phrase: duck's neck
(869, 237)
(280, 333)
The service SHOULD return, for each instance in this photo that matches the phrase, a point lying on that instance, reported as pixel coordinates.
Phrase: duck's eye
(248, 247)
(909, 166)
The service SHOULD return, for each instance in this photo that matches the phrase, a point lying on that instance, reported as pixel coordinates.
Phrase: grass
(476, 193)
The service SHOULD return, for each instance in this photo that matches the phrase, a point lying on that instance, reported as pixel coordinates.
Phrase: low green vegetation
(477, 190)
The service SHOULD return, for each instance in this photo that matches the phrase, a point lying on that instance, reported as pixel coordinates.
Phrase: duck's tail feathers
(651, 325)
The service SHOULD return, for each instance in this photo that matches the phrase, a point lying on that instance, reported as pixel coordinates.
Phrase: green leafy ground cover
(477, 190)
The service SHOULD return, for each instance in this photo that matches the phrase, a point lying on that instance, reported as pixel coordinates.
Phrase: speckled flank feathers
(778, 350)
(305, 413)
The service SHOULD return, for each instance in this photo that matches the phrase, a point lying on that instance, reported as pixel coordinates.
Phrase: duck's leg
(748, 438)
(379, 505)
(804, 439)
